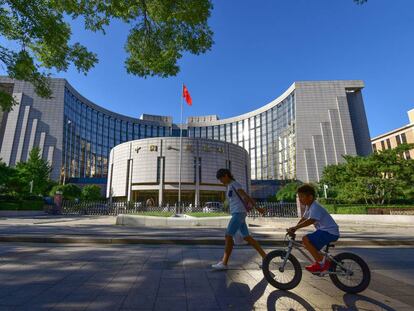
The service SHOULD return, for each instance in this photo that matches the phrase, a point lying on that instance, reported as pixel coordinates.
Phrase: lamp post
(325, 187)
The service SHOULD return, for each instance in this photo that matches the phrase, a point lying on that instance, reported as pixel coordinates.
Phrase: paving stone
(133, 301)
(106, 302)
(136, 277)
(170, 304)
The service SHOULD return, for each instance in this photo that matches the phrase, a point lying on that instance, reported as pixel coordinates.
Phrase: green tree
(288, 192)
(38, 40)
(91, 193)
(6, 174)
(35, 170)
(381, 177)
(69, 191)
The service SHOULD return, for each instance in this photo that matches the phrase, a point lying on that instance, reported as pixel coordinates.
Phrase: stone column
(197, 175)
(162, 171)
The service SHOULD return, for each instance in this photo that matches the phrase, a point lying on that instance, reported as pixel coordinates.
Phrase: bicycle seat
(329, 246)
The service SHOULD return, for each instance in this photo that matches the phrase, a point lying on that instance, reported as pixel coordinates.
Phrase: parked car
(211, 207)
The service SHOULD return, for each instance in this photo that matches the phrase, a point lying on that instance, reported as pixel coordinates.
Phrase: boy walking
(238, 199)
(327, 230)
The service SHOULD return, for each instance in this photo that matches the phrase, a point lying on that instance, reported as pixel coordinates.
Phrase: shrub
(69, 191)
(91, 193)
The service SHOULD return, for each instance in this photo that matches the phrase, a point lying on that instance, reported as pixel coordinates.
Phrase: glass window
(210, 132)
(222, 132)
(398, 138)
(197, 132)
(216, 134)
(404, 138)
(136, 131)
(148, 131)
(240, 130)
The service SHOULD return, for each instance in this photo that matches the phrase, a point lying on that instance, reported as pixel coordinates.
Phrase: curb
(182, 241)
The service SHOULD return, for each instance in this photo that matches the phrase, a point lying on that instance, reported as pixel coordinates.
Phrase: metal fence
(272, 209)
(275, 209)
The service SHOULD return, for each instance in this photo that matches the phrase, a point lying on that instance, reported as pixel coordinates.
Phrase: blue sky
(262, 47)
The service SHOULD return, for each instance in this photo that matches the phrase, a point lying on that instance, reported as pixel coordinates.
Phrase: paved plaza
(163, 277)
(101, 229)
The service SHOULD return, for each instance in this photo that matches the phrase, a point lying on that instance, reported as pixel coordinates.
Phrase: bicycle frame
(326, 255)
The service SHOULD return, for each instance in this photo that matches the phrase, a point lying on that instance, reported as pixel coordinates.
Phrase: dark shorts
(320, 238)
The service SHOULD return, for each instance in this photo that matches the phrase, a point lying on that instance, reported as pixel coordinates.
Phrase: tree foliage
(287, 193)
(39, 39)
(69, 191)
(381, 177)
(35, 170)
(5, 176)
(91, 193)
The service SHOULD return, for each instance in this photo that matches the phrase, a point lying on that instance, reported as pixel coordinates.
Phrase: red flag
(186, 95)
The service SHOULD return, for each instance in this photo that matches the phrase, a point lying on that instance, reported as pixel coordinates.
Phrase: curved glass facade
(90, 132)
(268, 136)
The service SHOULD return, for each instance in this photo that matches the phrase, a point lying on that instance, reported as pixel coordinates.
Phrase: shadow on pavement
(284, 300)
(351, 302)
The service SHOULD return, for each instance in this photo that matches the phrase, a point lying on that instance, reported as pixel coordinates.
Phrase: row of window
(386, 144)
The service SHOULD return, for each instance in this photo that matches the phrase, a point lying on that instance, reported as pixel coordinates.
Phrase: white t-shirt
(323, 221)
(235, 204)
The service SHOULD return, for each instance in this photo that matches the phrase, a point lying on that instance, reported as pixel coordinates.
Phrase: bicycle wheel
(286, 278)
(359, 275)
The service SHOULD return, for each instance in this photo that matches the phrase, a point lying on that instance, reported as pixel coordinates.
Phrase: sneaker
(219, 266)
(326, 266)
(317, 267)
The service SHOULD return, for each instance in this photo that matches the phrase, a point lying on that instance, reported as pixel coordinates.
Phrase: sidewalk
(101, 229)
(66, 277)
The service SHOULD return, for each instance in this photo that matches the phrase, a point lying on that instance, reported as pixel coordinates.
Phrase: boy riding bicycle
(327, 230)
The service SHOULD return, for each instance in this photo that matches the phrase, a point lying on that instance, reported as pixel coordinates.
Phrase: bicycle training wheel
(282, 278)
(352, 275)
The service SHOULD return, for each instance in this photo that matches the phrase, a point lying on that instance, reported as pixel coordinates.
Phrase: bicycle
(348, 271)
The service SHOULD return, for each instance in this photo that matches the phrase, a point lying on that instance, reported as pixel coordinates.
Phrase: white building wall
(144, 154)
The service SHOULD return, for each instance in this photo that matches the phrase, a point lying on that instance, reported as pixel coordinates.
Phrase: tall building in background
(394, 138)
(312, 124)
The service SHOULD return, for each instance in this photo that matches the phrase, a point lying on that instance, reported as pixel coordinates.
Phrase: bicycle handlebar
(292, 236)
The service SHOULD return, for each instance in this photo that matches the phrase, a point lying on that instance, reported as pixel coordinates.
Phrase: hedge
(361, 209)
(23, 205)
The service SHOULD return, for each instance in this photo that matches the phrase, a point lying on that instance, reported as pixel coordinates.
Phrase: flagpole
(181, 149)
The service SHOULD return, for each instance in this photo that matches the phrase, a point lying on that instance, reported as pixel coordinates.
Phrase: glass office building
(312, 124)
(268, 136)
